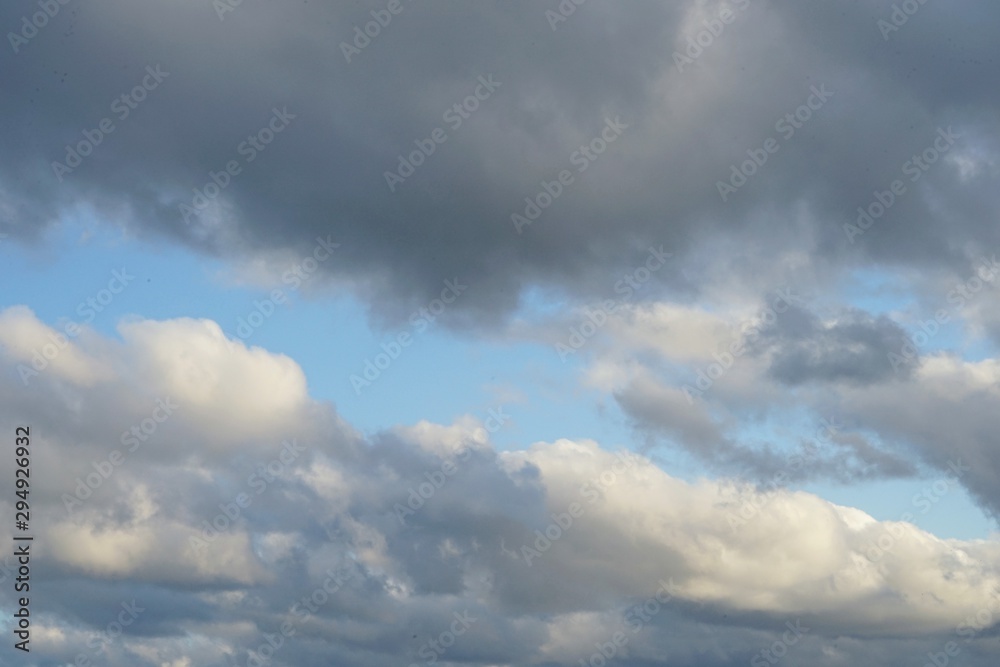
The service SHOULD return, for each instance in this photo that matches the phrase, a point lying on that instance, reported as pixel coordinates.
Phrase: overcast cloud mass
(673, 336)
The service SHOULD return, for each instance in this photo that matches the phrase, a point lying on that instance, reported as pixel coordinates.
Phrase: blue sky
(439, 377)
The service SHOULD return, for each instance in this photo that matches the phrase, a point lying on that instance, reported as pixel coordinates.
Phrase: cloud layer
(885, 103)
(218, 540)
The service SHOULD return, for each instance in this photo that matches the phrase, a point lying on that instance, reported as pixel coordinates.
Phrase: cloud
(852, 347)
(38, 348)
(324, 173)
(943, 414)
(536, 544)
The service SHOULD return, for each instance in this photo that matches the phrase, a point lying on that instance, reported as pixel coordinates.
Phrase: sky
(501, 333)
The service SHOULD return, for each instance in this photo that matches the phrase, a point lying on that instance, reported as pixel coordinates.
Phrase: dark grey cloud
(949, 417)
(854, 347)
(835, 452)
(656, 184)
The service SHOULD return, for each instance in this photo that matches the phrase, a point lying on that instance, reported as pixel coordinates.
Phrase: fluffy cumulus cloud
(877, 402)
(427, 541)
(763, 234)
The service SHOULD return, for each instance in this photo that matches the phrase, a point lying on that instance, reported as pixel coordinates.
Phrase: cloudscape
(553, 333)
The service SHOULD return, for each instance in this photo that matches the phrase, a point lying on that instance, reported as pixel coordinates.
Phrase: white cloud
(332, 509)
